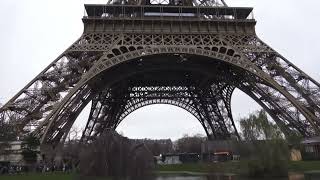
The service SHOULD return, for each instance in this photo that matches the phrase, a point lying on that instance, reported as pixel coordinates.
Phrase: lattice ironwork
(155, 61)
(209, 109)
(170, 2)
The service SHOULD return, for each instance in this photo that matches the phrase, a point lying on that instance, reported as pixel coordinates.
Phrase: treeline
(264, 146)
(186, 144)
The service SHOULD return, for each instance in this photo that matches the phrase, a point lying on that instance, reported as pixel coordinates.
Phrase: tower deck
(168, 19)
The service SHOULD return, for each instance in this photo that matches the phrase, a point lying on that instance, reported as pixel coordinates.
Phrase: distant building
(219, 150)
(169, 159)
(224, 150)
(178, 158)
(311, 148)
(12, 153)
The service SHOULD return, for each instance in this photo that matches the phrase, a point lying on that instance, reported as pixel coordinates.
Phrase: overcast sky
(35, 32)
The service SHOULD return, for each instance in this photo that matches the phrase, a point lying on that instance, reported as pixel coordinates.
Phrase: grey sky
(35, 32)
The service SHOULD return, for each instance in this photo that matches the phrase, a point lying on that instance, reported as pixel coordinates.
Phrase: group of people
(40, 168)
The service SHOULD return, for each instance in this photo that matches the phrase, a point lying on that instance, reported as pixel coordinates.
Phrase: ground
(233, 167)
(49, 176)
(38, 177)
(228, 167)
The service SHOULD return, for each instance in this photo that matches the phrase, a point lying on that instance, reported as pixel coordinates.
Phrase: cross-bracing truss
(212, 3)
(92, 68)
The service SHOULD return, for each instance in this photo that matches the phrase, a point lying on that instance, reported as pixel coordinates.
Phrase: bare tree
(74, 133)
(157, 146)
(141, 162)
(70, 154)
(114, 155)
(189, 144)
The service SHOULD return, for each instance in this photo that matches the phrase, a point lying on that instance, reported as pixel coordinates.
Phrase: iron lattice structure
(188, 54)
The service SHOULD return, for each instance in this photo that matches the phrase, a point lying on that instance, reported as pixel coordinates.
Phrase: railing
(166, 12)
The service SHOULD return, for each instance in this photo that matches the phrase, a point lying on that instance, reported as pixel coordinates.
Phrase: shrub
(112, 155)
(264, 146)
(269, 158)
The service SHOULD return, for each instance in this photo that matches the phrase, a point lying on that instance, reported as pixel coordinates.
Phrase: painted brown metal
(191, 56)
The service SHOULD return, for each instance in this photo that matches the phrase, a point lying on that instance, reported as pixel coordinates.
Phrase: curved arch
(184, 105)
(209, 102)
(222, 55)
(136, 101)
(160, 121)
(187, 107)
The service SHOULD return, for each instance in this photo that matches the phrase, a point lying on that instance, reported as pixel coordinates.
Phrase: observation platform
(95, 10)
(167, 18)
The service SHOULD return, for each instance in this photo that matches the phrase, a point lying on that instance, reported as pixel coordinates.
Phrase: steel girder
(207, 107)
(211, 3)
(51, 102)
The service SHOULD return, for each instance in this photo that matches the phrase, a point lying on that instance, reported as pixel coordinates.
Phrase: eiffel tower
(188, 53)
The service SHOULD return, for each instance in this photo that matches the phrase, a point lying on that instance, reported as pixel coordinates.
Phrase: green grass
(233, 167)
(48, 176)
(302, 166)
(224, 167)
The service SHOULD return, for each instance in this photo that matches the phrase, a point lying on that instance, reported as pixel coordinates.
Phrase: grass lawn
(301, 166)
(223, 167)
(234, 167)
(48, 176)
(39, 177)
